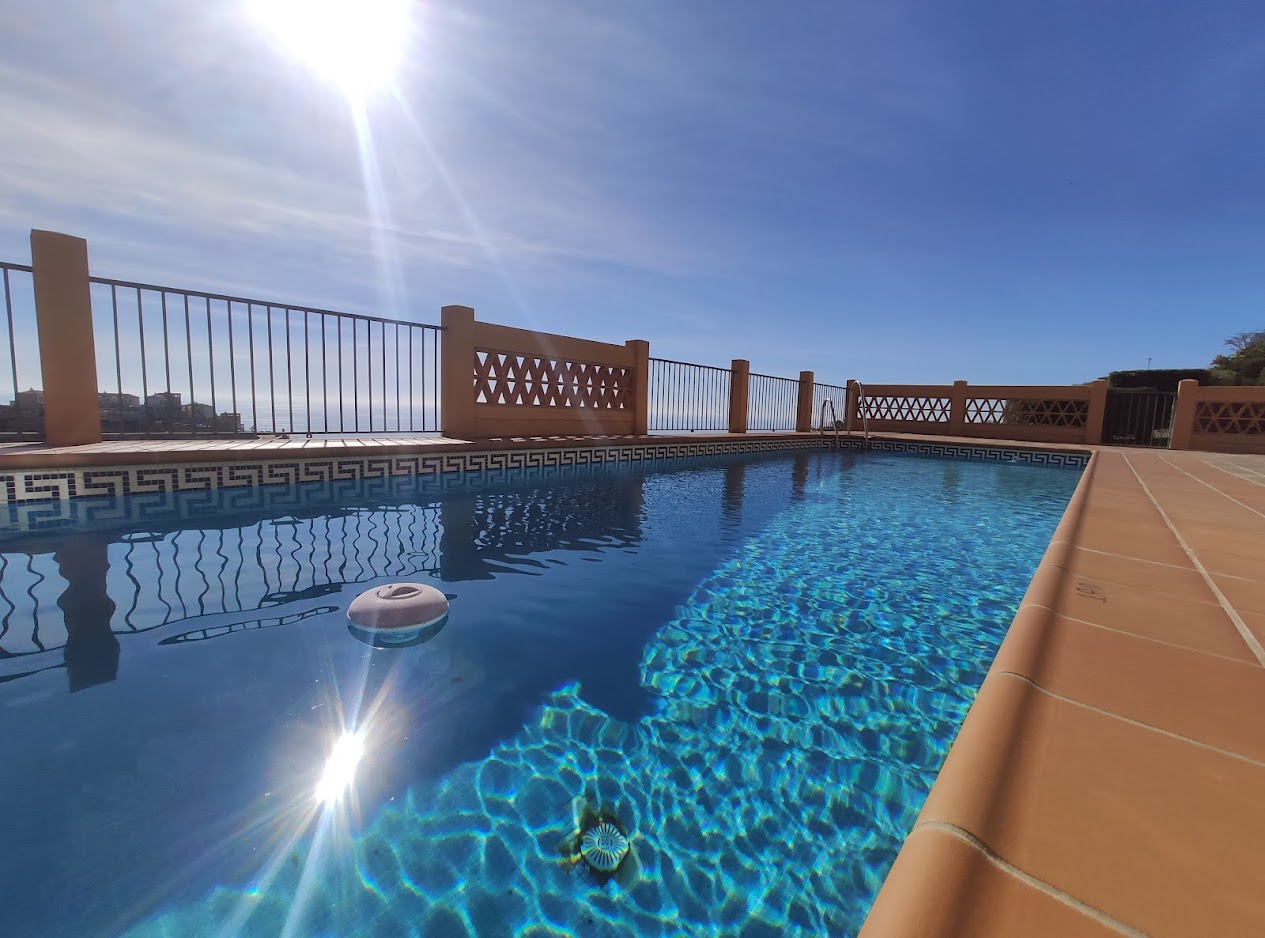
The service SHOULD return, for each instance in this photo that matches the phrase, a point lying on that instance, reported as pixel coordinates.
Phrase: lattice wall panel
(505, 378)
(1027, 412)
(1230, 417)
(920, 409)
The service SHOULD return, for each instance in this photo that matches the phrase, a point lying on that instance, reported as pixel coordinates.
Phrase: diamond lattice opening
(534, 381)
(1028, 412)
(1230, 417)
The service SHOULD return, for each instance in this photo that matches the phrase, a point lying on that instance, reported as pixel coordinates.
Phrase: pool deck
(1110, 777)
(138, 452)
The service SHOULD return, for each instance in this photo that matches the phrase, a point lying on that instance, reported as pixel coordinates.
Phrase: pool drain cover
(598, 848)
(604, 847)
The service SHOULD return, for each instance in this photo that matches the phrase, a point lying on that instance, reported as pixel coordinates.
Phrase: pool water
(756, 665)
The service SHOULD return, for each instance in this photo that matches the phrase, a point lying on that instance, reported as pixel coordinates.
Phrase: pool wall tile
(35, 485)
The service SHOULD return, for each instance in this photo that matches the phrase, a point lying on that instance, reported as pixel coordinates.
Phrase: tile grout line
(1230, 611)
(1214, 488)
(1144, 638)
(1028, 879)
(1229, 753)
(1130, 586)
(1108, 553)
(1247, 469)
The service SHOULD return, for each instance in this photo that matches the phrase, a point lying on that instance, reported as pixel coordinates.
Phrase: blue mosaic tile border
(36, 485)
(44, 485)
(1065, 459)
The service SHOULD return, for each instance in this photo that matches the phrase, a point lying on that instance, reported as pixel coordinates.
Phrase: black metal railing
(23, 416)
(253, 366)
(838, 397)
(684, 396)
(1138, 417)
(772, 403)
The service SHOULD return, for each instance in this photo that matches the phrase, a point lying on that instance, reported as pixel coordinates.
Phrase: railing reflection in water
(64, 600)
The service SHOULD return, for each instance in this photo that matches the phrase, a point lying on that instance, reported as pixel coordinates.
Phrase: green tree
(1246, 364)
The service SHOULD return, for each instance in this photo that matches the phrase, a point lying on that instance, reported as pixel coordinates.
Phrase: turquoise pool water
(755, 666)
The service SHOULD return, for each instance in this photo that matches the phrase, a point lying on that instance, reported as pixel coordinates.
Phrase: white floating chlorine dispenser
(398, 614)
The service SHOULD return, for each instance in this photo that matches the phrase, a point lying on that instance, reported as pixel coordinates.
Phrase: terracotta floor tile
(1255, 623)
(943, 887)
(1168, 579)
(1202, 535)
(1149, 542)
(1156, 832)
(1216, 700)
(1232, 565)
(1244, 595)
(1194, 621)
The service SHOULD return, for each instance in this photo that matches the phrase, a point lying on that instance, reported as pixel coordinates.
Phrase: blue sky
(907, 191)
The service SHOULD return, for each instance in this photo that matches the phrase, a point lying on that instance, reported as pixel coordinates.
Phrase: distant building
(30, 399)
(164, 401)
(228, 423)
(111, 400)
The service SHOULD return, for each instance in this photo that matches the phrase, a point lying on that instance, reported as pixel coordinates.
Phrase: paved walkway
(1110, 778)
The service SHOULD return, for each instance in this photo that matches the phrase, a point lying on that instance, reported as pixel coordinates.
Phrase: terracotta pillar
(456, 388)
(804, 404)
(1097, 411)
(68, 356)
(739, 386)
(641, 386)
(1184, 414)
(957, 409)
(92, 649)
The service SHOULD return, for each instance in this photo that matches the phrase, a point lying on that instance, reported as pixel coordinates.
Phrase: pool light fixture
(340, 768)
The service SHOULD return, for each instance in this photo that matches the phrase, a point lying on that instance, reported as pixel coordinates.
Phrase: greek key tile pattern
(61, 484)
(55, 485)
(1067, 459)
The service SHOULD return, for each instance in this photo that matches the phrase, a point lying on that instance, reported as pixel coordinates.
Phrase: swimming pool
(754, 664)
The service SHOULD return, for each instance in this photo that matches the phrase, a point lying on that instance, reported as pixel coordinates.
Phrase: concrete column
(1097, 411)
(456, 397)
(641, 386)
(804, 404)
(1184, 414)
(957, 409)
(739, 387)
(68, 356)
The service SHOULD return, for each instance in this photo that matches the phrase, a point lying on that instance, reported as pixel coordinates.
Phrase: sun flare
(356, 45)
(340, 769)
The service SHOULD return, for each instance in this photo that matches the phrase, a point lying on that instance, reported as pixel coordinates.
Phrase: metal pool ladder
(860, 409)
(834, 419)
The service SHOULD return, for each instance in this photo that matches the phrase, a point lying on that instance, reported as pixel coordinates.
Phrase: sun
(356, 45)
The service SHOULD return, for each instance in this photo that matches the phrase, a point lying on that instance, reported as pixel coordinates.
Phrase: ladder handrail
(860, 409)
(834, 423)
